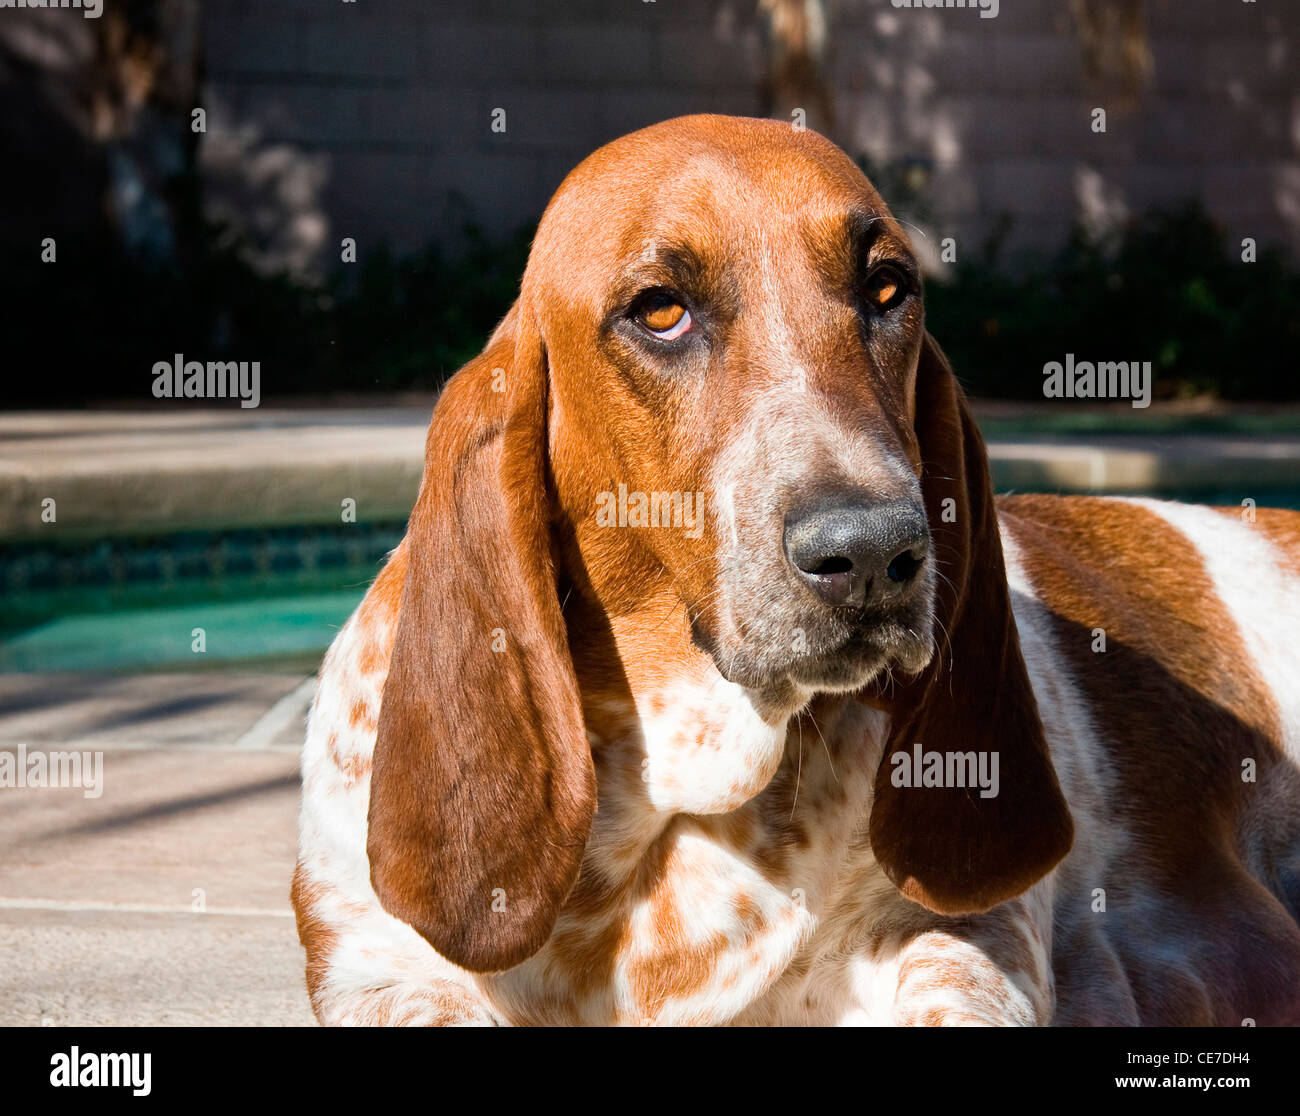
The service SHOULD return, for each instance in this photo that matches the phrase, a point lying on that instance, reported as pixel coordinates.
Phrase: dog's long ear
(947, 847)
(482, 789)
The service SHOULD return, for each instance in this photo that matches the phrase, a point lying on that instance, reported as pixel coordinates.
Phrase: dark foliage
(1169, 288)
(92, 328)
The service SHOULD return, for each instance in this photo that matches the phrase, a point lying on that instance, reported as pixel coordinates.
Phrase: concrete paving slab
(1128, 463)
(156, 890)
(90, 968)
(168, 829)
(121, 472)
(197, 709)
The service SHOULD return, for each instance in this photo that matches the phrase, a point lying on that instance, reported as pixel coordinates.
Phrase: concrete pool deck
(157, 892)
(122, 472)
(116, 472)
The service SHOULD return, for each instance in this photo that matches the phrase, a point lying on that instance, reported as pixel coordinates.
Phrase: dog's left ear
(948, 848)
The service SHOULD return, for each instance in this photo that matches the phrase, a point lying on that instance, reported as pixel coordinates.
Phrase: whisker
(826, 746)
(798, 770)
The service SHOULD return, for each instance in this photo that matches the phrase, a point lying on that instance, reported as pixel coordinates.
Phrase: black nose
(853, 555)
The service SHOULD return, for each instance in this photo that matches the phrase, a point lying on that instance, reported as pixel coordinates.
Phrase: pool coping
(113, 473)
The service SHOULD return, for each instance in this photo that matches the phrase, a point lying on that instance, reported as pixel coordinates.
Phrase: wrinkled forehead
(711, 203)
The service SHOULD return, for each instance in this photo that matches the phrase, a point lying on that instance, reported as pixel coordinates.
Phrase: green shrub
(1168, 289)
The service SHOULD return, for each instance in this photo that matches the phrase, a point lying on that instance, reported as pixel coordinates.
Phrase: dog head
(715, 390)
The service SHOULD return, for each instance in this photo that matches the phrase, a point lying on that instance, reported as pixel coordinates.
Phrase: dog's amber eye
(664, 317)
(885, 288)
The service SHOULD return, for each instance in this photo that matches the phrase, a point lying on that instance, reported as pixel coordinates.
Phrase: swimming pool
(191, 601)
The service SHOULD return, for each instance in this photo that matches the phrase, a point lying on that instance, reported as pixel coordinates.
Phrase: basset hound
(711, 685)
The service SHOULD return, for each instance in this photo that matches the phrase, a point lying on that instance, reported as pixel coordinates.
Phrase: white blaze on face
(782, 348)
(791, 447)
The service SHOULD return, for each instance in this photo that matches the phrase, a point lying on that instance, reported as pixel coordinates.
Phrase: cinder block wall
(1000, 109)
(373, 119)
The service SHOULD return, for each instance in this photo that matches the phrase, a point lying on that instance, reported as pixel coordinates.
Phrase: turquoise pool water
(261, 599)
(271, 631)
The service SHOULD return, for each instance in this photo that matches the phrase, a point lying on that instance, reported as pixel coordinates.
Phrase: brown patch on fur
(659, 967)
(747, 911)
(926, 971)
(353, 768)
(586, 946)
(673, 969)
(377, 615)
(1174, 693)
(1178, 706)
(361, 717)
(317, 938)
(940, 1016)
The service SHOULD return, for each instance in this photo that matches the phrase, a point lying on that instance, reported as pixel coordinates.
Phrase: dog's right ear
(482, 789)
(949, 848)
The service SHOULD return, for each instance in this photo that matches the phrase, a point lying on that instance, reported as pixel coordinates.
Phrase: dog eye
(663, 316)
(885, 288)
